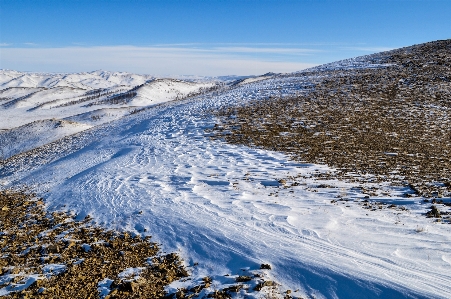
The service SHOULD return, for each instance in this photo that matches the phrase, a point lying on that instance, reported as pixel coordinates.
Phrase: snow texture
(219, 205)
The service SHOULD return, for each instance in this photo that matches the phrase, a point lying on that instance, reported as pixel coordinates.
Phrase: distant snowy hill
(28, 100)
(89, 80)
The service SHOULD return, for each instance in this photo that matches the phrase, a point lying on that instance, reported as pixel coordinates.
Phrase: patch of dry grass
(32, 239)
(392, 123)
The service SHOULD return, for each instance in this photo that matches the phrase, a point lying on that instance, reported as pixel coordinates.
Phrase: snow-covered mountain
(89, 80)
(81, 100)
(133, 152)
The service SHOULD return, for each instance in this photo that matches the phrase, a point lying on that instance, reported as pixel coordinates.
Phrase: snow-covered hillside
(225, 208)
(35, 134)
(84, 99)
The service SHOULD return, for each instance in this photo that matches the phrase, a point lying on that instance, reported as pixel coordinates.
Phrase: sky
(209, 37)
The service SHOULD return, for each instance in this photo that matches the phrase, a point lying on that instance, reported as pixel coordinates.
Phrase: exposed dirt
(59, 257)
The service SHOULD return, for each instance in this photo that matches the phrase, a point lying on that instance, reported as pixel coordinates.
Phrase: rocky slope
(385, 123)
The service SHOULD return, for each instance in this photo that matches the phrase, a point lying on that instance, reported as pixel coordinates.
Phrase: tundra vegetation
(388, 122)
(54, 255)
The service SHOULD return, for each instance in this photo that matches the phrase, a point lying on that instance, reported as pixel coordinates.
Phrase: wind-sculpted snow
(228, 207)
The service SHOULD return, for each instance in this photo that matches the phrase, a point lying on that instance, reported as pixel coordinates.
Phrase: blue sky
(213, 37)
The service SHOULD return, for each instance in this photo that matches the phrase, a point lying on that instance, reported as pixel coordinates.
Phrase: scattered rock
(243, 278)
(33, 243)
(434, 213)
(267, 283)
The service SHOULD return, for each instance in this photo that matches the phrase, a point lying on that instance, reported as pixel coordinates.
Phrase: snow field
(221, 206)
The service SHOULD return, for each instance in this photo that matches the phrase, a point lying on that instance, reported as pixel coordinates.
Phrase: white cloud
(5, 45)
(368, 49)
(154, 60)
(295, 51)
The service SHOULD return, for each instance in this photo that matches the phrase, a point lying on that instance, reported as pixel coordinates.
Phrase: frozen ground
(222, 206)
